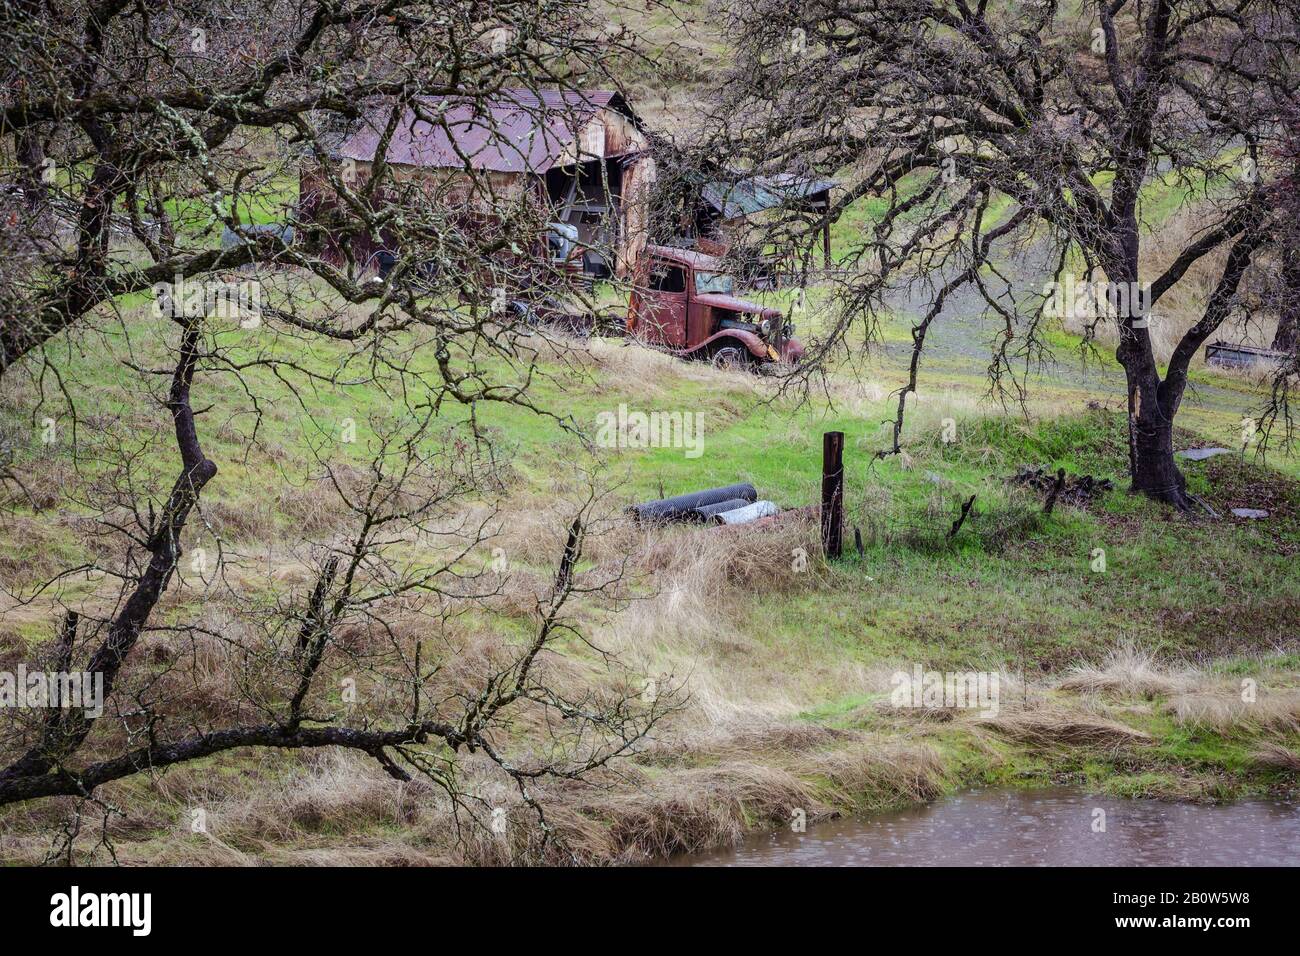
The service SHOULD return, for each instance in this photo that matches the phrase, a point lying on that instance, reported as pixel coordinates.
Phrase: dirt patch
(1238, 483)
(1241, 627)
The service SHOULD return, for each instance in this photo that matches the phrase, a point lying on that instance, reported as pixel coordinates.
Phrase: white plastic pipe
(759, 509)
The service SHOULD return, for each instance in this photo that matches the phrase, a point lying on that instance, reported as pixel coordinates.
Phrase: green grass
(1012, 591)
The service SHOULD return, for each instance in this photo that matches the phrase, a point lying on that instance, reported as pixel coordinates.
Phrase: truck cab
(683, 301)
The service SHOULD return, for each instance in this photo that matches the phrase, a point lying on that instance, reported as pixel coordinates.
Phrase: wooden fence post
(570, 557)
(832, 493)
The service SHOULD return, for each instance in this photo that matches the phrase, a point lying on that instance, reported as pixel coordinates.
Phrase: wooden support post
(832, 493)
(826, 243)
(570, 557)
(1056, 490)
(961, 518)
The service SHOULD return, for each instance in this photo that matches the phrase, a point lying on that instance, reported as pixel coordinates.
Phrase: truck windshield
(706, 282)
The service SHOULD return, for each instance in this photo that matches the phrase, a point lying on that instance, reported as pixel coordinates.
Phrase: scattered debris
(748, 513)
(808, 513)
(1200, 454)
(253, 233)
(1070, 489)
(1250, 512)
(728, 506)
(565, 316)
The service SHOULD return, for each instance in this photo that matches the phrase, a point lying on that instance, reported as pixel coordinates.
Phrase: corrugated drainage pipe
(669, 509)
(705, 512)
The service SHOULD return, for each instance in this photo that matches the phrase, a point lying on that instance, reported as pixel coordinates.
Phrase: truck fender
(756, 346)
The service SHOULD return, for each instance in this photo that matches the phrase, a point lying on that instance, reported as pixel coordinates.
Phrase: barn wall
(638, 183)
(611, 133)
(453, 188)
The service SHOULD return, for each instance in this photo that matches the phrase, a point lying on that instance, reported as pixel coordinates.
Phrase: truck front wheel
(732, 358)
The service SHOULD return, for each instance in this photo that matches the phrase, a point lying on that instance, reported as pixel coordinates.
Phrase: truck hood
(732, 304)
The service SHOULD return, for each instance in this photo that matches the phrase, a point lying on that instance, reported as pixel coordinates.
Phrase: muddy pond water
(1054, 827)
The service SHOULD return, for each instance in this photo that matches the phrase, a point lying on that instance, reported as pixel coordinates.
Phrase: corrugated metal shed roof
(516, 131)
(744, 197)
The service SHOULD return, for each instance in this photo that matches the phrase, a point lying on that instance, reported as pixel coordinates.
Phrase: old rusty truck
(684, 302)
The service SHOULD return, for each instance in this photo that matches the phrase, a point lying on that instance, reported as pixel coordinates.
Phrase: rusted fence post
(832, 493)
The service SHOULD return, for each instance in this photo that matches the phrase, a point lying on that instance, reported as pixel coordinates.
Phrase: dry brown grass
(754, 737)
(314, 508)
(1227, 712)
(882, 773)
(633, 371)
(326, 807)
(1127, 671)
(1056, 727)
(690, 810)
(333, 808)
(691, 617)
(1277, 757)
(710, 806)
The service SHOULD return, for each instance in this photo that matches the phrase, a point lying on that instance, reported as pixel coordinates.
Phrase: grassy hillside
(1137, 651)
(1127, 679)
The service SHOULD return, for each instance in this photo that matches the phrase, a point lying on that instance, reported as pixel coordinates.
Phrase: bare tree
(135, 136)
(1286, 198)
(159, 134)
(405, 493)
(947, 109)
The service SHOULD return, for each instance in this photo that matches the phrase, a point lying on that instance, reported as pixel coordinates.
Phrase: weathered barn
(583, 154)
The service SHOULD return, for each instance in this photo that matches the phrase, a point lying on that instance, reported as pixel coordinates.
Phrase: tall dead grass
(1128, 671)
(1052, 727)
(710, 806)
(1195, 698)
(694, 616)
(1227, 712)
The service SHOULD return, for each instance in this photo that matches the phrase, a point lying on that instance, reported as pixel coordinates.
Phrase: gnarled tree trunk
(1151, 442)
(1150, 423)
(1287, 335)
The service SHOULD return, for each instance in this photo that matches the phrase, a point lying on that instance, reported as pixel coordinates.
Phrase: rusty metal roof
(689, 257)
(515, 131)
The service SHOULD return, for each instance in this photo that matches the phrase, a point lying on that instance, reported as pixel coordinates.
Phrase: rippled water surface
(1036, 828)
